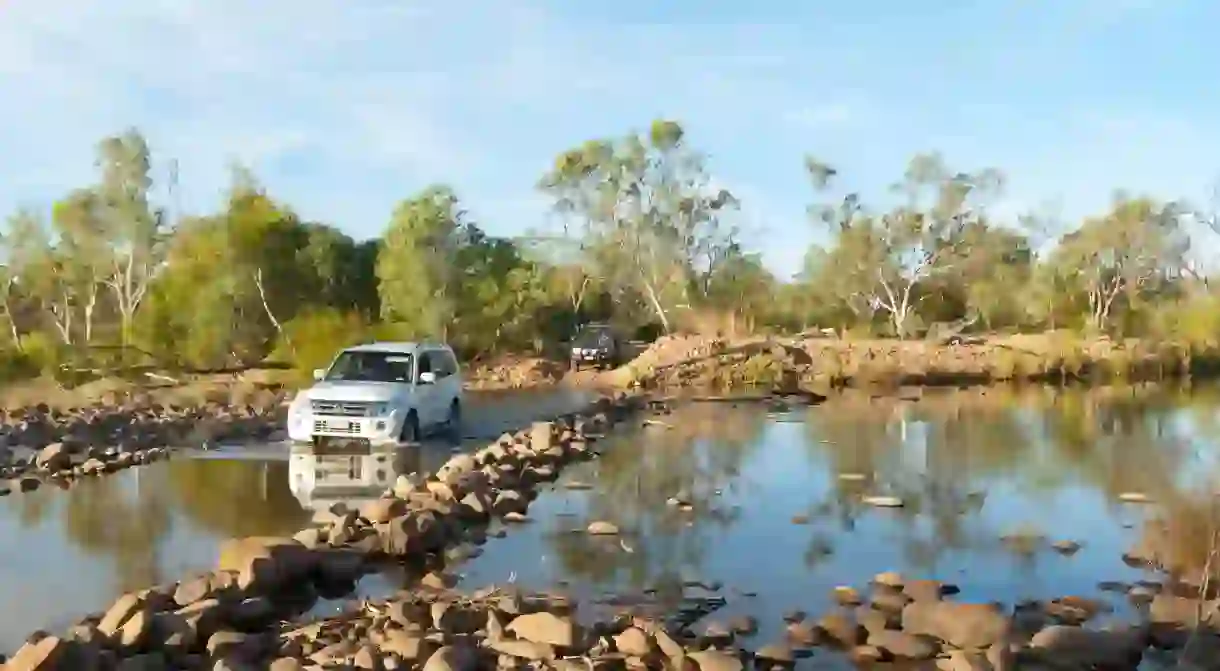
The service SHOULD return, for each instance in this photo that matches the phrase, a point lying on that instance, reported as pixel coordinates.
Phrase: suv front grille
(340, 409)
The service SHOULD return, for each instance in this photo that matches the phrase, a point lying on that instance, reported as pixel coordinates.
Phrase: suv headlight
(379, 409)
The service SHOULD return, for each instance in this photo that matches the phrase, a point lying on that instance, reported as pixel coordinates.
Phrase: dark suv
(596, 344)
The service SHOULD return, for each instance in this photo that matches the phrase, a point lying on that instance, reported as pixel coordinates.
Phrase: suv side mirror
(427, 377)
(318, 374)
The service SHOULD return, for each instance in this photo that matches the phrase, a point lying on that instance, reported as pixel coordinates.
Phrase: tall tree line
(650, 242)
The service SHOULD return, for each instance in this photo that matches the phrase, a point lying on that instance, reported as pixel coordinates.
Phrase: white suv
(382, 392)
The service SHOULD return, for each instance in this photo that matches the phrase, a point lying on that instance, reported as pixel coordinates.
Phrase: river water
(775, 509)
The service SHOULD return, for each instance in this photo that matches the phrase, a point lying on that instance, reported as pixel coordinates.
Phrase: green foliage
(15, 365)
(41, 353)
(649, 213)
(316, 336)
(417, 268)
(649, 243)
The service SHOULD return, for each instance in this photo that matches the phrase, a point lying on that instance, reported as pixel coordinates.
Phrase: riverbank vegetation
(115, 274)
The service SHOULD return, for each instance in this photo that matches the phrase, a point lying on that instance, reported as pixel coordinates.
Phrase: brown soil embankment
(824, 363)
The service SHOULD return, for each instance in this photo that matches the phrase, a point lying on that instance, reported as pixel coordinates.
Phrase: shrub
(15, 365)
(316, 336)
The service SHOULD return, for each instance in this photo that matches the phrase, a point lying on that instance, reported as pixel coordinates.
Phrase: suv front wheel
(410, 429)
(453, 425)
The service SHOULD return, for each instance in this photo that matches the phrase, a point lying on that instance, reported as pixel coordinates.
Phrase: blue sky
(344, 107)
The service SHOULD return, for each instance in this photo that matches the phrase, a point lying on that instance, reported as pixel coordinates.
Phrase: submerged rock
(883, 501)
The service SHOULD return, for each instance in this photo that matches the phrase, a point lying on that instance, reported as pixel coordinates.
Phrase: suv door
(451, 382)
(426, 394)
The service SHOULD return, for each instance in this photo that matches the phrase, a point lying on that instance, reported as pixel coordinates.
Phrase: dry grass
(251, 387)
(829, 362)
(720, 362)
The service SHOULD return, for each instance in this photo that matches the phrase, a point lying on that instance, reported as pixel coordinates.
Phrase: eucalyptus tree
(883, 259)
(648, 210)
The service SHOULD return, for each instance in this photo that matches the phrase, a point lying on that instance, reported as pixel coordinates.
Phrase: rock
(635, 642)
(312, 538)
(234, 645)
(153, 661)
(524, 649)
(193, 589)
(120, 611)
(889, 600)
(135, 632)
(779, 653)
(847, 596)
(42, 655)
(717, 632)
(286, 664)
(265, 563)
(600, 528)
(842, 629)
(367, 658)
(1117, 648)
(961, 660)
(716, 660)
(667, 644)
(409, 646)
(452, 658)
(544, 627)
(54, 457)
(962, 625)
(382, 510)
(745, 625)
(923, 590)
(889, 579)
(804, 633)
(202, 618)
(1075, 609)
(1180, 611)
(509, 501)
(407, 614)
(1141, 594)
(903, 645)
(863, 655)
(1066, 547)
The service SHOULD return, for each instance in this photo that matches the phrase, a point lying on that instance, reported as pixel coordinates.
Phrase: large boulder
(265, 563)
(962, 625)
(1105, 648)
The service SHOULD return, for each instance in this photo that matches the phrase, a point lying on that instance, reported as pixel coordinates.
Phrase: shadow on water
(768, 504)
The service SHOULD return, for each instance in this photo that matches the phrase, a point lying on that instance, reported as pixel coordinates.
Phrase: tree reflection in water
(232, 498)
(694, 456)
(123, 518)
(941, 455)
(126, 517)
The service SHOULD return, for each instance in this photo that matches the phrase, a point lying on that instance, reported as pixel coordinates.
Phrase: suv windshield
(594, 336)
(365, 366)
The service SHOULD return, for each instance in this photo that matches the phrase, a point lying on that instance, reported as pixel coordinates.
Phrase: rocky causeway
(250, 612)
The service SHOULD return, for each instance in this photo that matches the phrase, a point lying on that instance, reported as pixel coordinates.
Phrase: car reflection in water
(321, 478)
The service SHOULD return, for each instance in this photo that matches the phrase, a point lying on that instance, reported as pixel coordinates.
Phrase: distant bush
(16, 366)
(1194, 322)
(43, 353)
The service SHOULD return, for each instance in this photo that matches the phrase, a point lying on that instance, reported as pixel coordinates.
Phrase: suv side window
(444, 363)
(425, 364)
